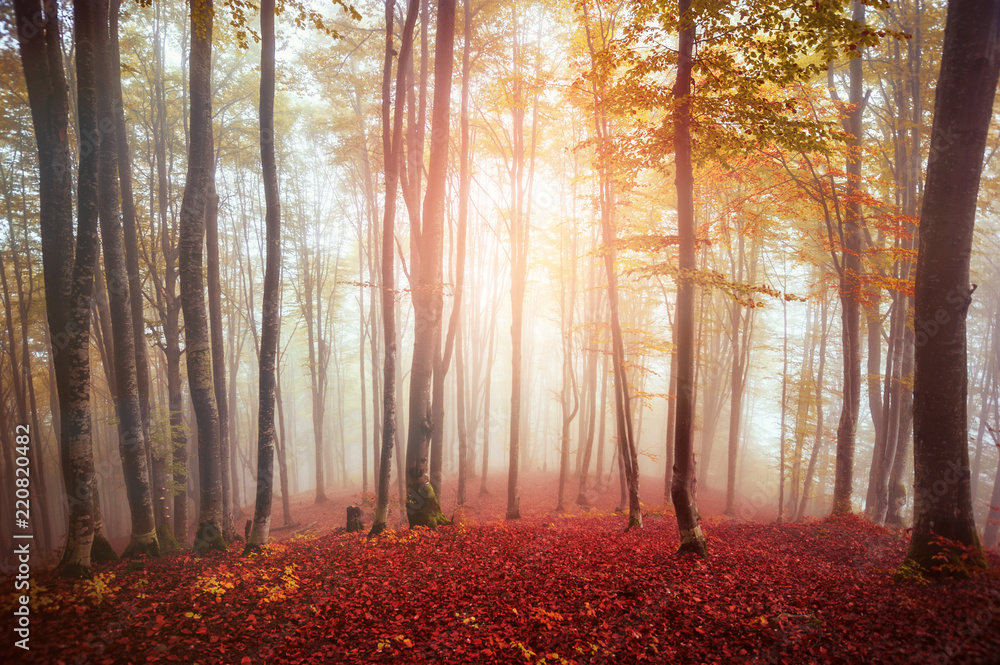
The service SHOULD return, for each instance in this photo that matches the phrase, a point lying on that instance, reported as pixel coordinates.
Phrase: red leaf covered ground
(545, 589)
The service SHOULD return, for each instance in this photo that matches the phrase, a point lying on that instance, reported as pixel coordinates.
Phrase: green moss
(209, 537)
(910, 571)
(423, 509)
(165, 537)
(693, 541)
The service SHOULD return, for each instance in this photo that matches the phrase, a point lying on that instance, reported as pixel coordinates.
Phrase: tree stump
(354, 519)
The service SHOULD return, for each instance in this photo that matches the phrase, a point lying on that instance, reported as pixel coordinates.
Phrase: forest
(590, 331)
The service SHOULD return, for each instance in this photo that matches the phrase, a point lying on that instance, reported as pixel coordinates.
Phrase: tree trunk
(219, 356)
(69, 280)
(970, 67)
(818, 440)
(487, 416)
(851, 288)
(422, 505)
(392, 152)
(191, 245)
(156, 466)
(272, 296)
(130, 424)
(170, 317)
(281, 442)
(567, 302)
(692, 539)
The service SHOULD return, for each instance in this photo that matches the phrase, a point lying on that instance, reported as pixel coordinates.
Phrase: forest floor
(549, 588)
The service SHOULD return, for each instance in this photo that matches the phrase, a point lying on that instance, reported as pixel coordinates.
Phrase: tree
(392, 152)
(157, 476)
(692, 539)
(422, 505)
(191, 245)
(272, 296)
(130, 426)
(68, 265)
(963, 105)
(851, 278)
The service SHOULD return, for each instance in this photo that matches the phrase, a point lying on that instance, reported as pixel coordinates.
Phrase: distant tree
(963, 107)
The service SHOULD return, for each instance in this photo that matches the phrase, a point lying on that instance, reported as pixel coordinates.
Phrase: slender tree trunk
(130, 425)
(970, 68)
(589, 419)
(128, 216)
(740, 352)
(464, 182)
(392, 152)
(671, 416)
(602, 416)
(989, 393)
(567, 301)
(784, 400)
(422, 504)
(818, 440)
(281, 442)
(219, 355)
(272, 296)
(192, 237)
(487, 416)
(170, 315)
(692, 539)
(851, 288)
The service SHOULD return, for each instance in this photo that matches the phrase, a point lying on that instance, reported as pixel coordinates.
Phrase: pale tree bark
(970, 68)
(130, 425)
(570, 398)
(219, 355)
(272, 296)
(464, 183)
(422, 506)
(392, 154)
(518, 274)
(692, 539)
(897, 490)
(818, 439)
(198, 349)
(281, 443)
(741, 327)
(588, 419)
(487, 416)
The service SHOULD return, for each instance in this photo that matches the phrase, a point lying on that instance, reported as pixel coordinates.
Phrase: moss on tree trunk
(423, 509)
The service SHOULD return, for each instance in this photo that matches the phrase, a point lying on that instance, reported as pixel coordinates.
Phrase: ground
(548, 588)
